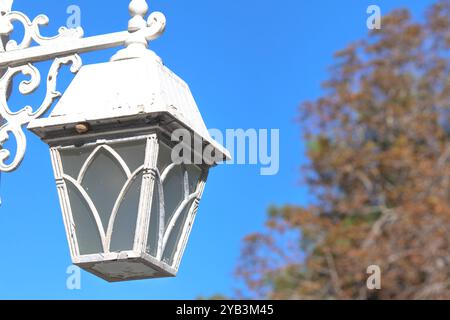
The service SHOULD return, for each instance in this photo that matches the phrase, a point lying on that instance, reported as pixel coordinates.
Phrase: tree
(379, 150)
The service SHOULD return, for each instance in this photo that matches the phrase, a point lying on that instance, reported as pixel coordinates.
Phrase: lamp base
(126, 266)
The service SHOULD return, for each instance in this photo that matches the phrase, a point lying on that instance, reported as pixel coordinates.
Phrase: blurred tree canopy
(379, 150)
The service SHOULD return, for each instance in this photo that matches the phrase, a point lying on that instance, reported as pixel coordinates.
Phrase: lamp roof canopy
(131, 94)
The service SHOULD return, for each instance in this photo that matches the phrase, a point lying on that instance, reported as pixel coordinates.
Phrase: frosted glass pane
(175, 236)
(126, 219)
(164, 157)
(103, 182)
(173, 191)
(153, 232)
(194, 173)
(132, 152)
(73, 159)
(89, 241)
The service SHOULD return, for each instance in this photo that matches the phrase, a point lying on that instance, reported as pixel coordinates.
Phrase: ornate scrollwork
(156, 25)
(32, 31)
(15, 120)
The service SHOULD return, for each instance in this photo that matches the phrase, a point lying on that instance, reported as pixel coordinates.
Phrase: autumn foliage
(379, 171)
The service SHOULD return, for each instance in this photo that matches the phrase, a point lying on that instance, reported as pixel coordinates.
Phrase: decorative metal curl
(12, 122)
(15, 120)
(31, 31)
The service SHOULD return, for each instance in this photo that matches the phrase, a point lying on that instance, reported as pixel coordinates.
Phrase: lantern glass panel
(182, 212)
(153, 231)
(74, 158)
(164, 157)
(103, 181)
(104, 186)
(194, 174)
(175, 235)
(177, 185)
(133, 152)
(88, 236)
(126, 219)
(173, 192)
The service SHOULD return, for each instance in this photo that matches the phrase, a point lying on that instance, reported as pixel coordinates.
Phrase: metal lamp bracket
(64, 49)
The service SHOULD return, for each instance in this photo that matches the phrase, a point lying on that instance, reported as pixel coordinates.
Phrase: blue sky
(249, 64)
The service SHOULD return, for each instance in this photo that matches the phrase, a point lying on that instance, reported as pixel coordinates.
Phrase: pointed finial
(141, 31)
(138, 10)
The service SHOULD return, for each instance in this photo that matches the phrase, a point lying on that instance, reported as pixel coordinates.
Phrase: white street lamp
(128, 204)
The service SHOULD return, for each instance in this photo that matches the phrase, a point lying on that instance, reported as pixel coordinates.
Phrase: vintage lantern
(128, 204)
